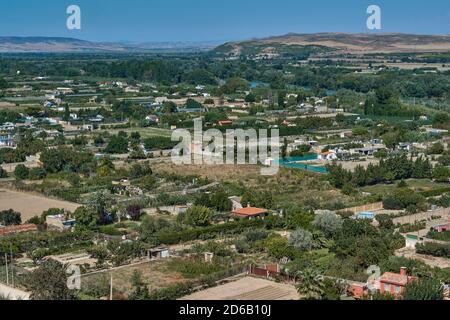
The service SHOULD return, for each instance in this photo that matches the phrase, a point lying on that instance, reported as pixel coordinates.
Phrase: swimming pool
(291, 162)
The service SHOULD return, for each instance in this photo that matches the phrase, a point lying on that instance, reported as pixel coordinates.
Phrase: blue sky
(216, 20)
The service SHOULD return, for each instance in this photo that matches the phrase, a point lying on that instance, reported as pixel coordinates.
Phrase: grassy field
(415, 184)
(155, 275)
(288, 186)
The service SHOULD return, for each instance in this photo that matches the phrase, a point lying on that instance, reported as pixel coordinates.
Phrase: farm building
(250, 213)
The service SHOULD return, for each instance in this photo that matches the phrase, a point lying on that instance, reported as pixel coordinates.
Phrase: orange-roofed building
(395, 283)
(358, 289)
(225, 123)
(18, 229)
(249, 213)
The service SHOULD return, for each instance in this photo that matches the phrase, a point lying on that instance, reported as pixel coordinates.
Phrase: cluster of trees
(397, 167)
(197, 216)
(161, 231)
(27, 145)
(99, 208)
(9, 116)
(424, 288)
(159, 143)
(366, 245)
(404, 198)
(10, 217)
(434, 249)
(49, 282)
(262, 199)
(218, 200)
(392, 83)
(67, 159)
(117, 144)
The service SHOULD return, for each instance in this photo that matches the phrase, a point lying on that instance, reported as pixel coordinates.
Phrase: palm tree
(310, 285)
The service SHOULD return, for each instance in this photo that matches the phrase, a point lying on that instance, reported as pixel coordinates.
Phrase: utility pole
(12, 267)
(111, 288)
(7, 271)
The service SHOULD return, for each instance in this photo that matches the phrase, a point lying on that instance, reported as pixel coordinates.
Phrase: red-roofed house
(357, 289)
(18, 229)
(441, 227)
(225, 123)
(395, 283)
(249, 213)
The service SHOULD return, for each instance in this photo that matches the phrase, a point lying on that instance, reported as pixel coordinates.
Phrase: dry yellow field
(30, 205)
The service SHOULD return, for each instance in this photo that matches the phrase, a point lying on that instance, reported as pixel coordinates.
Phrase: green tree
(220, 201)
(140, 289)
(49, 282)
(424, 289)
(310, 285)
(86, 218)
(328, 222)
(21, 172)
(436, 148)
(441, 173)
(117, 145)
(10, 217)
(198, 216)
(100, 253)
(278, 247)
(302, 239)
(149, 228)
(3, 84)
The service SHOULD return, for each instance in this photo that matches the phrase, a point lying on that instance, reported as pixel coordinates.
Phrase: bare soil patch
(247, 288)
(30, 205)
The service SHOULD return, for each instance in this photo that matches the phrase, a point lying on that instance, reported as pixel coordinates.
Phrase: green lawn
(415, 184)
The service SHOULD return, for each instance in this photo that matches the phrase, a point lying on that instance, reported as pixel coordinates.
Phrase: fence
(368, 207)
(427, 216)
(268, 272)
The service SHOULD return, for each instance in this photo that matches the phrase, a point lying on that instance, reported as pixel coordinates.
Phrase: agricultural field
(155, 275)
(247, 288)
(31, 205)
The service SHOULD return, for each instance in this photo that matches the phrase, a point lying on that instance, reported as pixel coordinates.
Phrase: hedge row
(24, 242)
(434, 249)
(435, 192)
(209, 232)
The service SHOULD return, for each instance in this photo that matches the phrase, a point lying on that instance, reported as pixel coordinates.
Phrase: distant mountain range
(339, 42)
(61, 45)
(291, 43)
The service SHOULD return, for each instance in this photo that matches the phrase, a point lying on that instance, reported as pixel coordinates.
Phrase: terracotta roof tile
(249, 211)
(395, 278)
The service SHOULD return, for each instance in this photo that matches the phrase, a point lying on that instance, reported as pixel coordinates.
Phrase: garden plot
(247, 288)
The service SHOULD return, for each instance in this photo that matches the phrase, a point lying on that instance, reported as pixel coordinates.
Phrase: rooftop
(249, 211)
(18, 229)
(395, 278)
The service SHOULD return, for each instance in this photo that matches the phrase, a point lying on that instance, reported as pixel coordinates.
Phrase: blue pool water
(290, 162)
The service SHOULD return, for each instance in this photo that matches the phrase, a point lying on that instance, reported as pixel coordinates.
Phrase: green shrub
(434, 249)
(194, 268)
